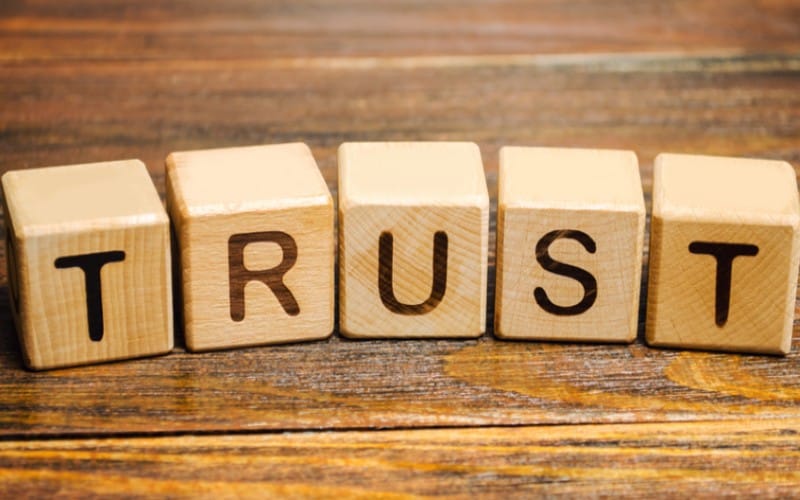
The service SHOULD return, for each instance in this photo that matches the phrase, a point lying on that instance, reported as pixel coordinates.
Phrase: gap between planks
(578, 428)
(722, 61)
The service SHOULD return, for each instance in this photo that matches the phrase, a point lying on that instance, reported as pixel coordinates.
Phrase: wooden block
(88, 255)
(256, 235)
(569, 246)
(723, 254)
(413, 236)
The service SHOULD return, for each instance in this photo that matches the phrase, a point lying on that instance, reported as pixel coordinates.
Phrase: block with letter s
(570, 233)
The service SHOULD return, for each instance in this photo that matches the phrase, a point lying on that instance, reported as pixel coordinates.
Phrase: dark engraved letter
(90, 264)
(724, 253)
(581, 275)
(239, 276)
(386, 262)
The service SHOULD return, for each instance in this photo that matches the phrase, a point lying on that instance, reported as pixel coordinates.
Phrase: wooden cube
(570, 233)
(723, 254)
(88, 255)
(413, 236)
(256, 235)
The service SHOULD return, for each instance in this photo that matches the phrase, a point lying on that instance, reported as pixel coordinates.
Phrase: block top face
(68, 198)
(218, 181)
(593, 179)
(412, 173)
(734, 190)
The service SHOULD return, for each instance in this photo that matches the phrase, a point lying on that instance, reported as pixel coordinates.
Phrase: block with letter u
(413, 236)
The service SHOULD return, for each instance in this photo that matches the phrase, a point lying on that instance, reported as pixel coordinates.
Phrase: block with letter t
(88, 256)
(570, 233)
(254, 227)
(723, 254)
(413, 236)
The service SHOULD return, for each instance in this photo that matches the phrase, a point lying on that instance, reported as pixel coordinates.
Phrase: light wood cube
(88, 255)
(723, 254)
(569, 246)
(256, 235)
(413, 236)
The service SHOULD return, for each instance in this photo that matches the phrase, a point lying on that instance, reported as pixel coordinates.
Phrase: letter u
(385, 272)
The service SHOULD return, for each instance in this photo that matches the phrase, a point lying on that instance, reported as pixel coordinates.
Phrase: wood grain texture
(570, 235)
(255, 231)
(93, 81)
(738, 106)
(342, 384)
(161, 30)
(92, 264)
(724, 254)
(706, 459)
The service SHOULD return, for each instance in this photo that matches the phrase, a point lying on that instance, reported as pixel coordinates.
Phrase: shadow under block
(88, 253)
(255, 230)
(413, 236)
(723, 254)
(570, 234)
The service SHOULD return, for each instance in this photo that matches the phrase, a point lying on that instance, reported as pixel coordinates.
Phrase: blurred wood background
(93, 80)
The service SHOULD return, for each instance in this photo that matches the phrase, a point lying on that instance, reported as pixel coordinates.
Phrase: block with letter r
(723, 254)
(254, 228)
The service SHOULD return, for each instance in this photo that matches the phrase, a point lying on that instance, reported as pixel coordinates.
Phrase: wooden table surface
(92, 80)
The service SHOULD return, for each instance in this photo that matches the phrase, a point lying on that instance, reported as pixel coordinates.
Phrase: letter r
(239, 275)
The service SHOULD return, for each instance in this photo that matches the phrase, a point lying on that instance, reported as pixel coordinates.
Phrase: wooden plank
(341, 384)
(49, 30)
(80, 112)
(753, 458)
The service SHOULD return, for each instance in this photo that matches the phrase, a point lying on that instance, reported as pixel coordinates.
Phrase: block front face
(723, 275)
(255, 230)
(90, 288)
(570, 237)
(596, 302)
(260, 311)
(682, 309)
(371, 307)
(413, 262)
(135, 296)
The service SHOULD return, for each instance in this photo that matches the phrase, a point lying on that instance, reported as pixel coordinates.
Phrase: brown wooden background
(93, 80)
